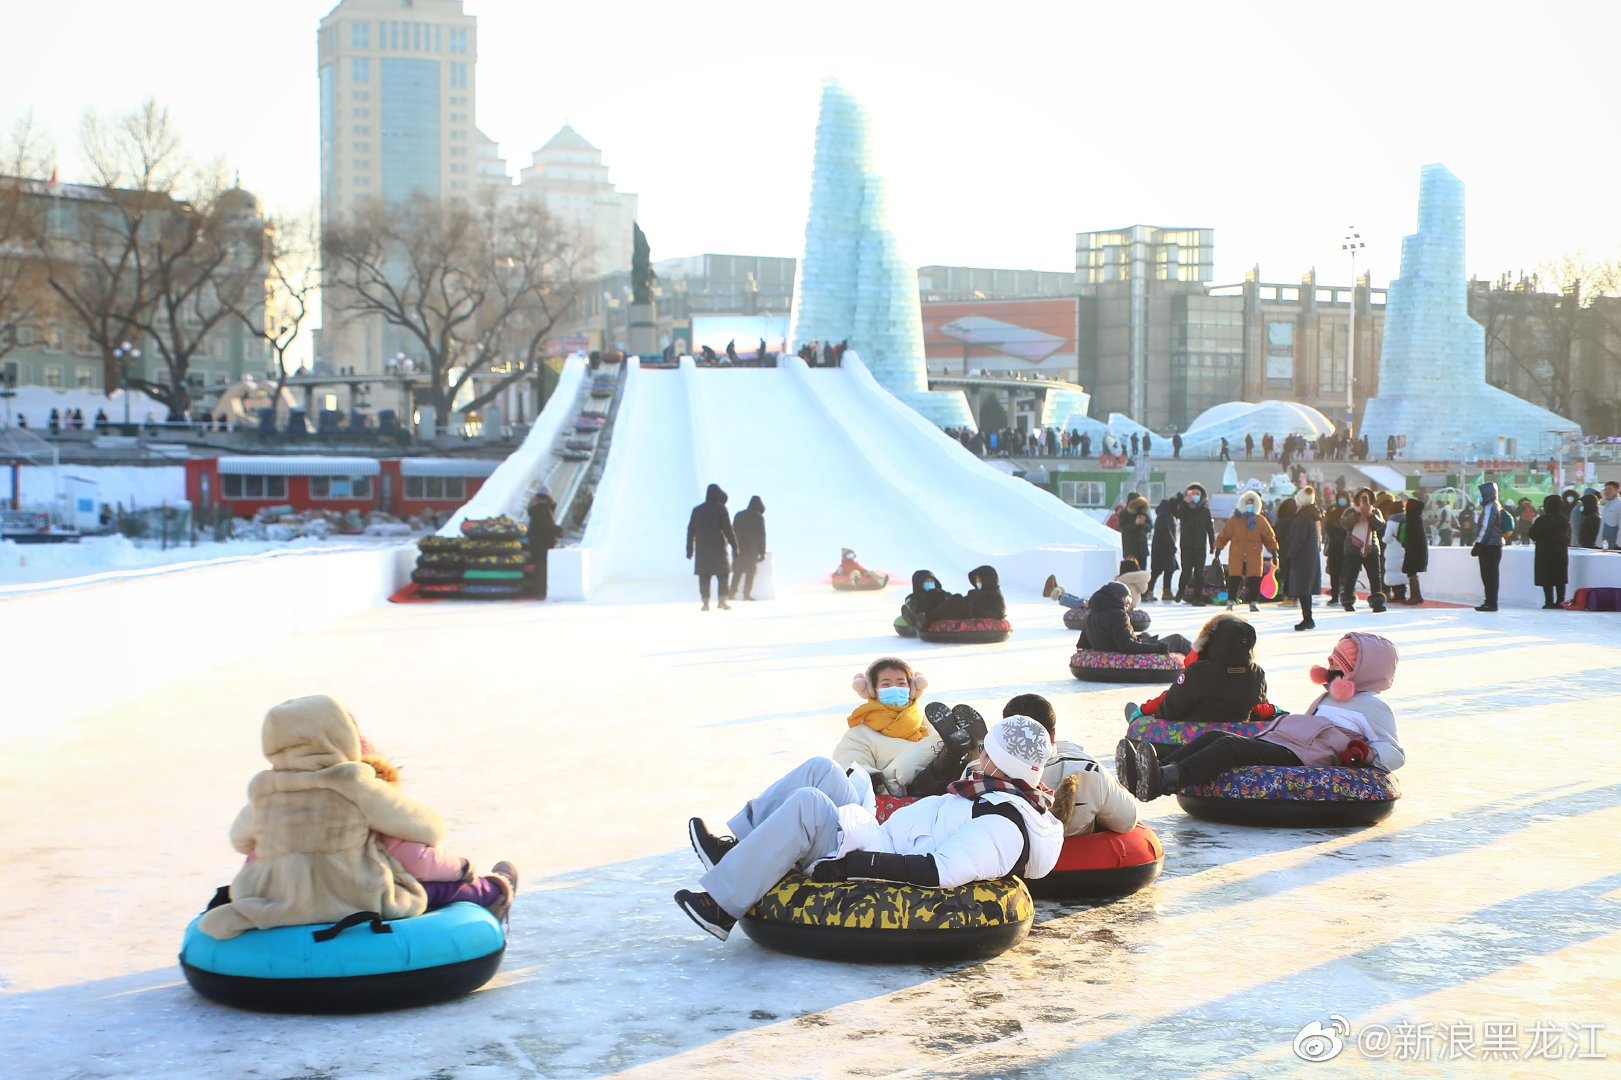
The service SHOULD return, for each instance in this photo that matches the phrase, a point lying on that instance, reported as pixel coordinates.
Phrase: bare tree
(292, 278)
(480, 287)
(27, 158)
(155, 249)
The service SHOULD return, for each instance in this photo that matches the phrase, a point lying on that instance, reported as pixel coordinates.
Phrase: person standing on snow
(749, 528)
(709, 533)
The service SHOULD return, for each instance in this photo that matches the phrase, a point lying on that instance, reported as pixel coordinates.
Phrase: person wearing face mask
(984, 599)
(1250, 534)
(1363, 551)
(929, 603)
(887, 735)
(1198, 537)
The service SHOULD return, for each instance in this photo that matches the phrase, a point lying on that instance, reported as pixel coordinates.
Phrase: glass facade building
(408, 115)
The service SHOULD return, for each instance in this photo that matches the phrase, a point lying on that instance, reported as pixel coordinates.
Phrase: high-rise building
(492, 167)
(568, 178)
(397, 102)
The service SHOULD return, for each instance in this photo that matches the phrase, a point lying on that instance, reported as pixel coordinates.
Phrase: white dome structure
(1235, 419)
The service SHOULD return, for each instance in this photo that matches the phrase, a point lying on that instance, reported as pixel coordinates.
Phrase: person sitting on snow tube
(929, 602)
(1347, 725)
(1131, 575)
(996, 822)
(985, 600)
(1222, 683)
(1108, 628)
(854, 573)
(317, 827)
(888, 735)
(1101, 804)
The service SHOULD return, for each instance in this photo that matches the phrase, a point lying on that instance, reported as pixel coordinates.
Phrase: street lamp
(1352, 243)
(126, 355)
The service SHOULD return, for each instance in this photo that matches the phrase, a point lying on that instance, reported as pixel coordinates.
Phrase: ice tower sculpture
(852, 282)
(1432, 369)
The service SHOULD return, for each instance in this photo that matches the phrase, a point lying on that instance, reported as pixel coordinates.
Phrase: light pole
(126, 355)
(1352, 244)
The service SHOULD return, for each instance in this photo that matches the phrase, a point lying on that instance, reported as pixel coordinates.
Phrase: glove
(469, 875)
(1264, 711)
(828, 871)
(1357, 753)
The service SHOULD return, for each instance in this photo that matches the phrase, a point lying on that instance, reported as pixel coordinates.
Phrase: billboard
(747, 330)
(1001, 336)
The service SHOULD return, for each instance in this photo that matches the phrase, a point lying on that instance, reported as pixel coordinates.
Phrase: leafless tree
(157, 250)
(479, 286)
(27, 159)
(292, 279)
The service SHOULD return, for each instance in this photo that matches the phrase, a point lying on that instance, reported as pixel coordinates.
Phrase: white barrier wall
(132, 631)
(1454, 575)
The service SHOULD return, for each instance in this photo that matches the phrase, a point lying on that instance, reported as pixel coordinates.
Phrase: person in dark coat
(1164, 551)
(1285, 520)
(749, 528)
(709, 534)
(985, 600)
(1224, 685)
(1135, 525)
(1198, 540)
(1107, 627)
(1334, 541)
(930, 603)
(1587, 537)
(1550, 532)
(1415, 546)
(1303, 550)
(1364, 528)
(543, 535)
(1176, 444)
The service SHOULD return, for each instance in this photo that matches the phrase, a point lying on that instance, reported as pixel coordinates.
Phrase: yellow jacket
(905, 722)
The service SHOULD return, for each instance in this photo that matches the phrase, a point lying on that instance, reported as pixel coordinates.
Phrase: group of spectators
(1052, 443)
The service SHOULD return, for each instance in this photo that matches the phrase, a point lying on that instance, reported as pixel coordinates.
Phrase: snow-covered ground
(104, 556)
(575, 739)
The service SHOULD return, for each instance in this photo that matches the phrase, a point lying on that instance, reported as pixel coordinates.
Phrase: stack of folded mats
(496, 555)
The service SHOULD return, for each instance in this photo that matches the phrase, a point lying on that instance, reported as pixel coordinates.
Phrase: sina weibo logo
(1318, 1043)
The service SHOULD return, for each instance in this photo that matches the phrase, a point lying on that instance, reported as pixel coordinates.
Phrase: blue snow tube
(362, 964)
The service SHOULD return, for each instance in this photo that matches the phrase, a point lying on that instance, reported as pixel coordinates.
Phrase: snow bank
(118, 485)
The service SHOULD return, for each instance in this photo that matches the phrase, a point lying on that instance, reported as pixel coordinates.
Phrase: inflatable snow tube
(1103, 864)
(450, 588)
(436, 575)
(1074, 617)
(967, 631)
(860, 582)
(904, 628)
(495, 528)
(1294, 796)
(492, 590)
(439, 559)
(888, 923)
(440, 543)
(514, 574)
(1089, 665)
(1176, 733)
(367, 965)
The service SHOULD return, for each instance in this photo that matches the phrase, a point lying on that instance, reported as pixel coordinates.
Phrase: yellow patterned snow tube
(885, 922)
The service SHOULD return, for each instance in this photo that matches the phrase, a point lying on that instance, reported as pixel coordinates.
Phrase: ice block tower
(852, 282)
(1432, 368)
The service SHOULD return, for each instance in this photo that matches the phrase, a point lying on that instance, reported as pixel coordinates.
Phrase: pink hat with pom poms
(1343, 660)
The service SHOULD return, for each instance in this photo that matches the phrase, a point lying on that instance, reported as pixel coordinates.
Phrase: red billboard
(998, 336)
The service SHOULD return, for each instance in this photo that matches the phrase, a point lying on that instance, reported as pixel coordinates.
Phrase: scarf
(978, 784)
(905, 722)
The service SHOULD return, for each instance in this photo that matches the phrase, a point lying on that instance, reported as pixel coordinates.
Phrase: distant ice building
(1432, 371)
(853, 284)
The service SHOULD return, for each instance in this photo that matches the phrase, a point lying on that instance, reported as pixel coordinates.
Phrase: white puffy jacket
(1100, 801)
(965, 848)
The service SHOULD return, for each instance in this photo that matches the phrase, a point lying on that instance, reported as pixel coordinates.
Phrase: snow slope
(838, 462)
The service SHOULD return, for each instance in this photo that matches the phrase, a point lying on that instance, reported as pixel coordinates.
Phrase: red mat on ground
(411, 595)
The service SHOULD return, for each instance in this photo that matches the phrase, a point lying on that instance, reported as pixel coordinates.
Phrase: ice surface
(1434, 352)
(838, 463)
(576, 739)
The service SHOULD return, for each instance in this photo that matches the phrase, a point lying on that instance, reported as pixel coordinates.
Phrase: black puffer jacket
(925, 606)
(1135, 525)
(709, 534)
(1198, 530)
(985, 600)
(1164, 552)
(1224, 684)
(749, 525)
(1107, 627)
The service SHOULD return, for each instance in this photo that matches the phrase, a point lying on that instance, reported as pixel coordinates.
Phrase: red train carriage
(402, 486)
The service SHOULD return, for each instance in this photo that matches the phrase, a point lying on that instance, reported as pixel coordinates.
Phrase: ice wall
(1434, 353)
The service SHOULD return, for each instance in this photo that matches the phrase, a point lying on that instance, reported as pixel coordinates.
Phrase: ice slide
(838, 462)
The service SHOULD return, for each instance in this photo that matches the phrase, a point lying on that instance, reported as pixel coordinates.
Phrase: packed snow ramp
(838, 462)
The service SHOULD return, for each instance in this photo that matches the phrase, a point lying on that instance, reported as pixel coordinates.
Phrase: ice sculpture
(852, 282)
(1432, 370)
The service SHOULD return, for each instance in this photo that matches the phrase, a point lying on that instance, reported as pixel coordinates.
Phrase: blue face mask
(1342, 502)
(894, 696)
(927, 585)
(1193, 499)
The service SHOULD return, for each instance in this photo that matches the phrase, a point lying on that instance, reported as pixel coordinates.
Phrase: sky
(1002, 130)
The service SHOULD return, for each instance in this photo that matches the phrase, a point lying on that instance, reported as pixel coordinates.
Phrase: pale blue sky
(1002, 128)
